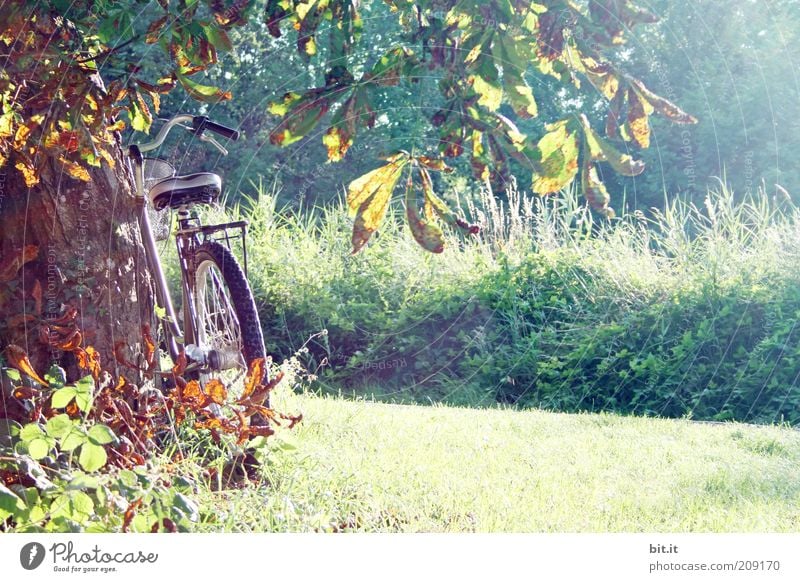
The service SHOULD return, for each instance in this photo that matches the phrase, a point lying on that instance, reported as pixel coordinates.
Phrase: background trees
(734, 69)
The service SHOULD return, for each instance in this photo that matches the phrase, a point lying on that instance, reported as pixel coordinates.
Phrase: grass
(373, 467)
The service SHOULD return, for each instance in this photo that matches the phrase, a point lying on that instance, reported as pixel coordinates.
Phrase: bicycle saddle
(199, 188)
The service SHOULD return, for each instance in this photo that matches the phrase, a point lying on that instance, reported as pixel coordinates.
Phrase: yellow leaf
(384, 178)
(491, 95)
(74, 170)
(638, 124)
(28, 173)
(368, 197)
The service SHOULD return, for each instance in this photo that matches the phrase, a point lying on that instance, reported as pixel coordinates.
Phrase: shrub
(690, 312)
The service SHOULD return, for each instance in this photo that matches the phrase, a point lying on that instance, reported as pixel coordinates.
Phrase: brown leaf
(663, 106)
(192, 394)
(149, 346)
(20, 320)
(25, 392)
(119, 354)
(180, 365)
(426, 232)
(14, 260)
(89, 360)
(255, 376)
(130, 513)
(69, 317)
(216, 391)
(17, 357)
(63, 338)
(154, 31)
(293, 420)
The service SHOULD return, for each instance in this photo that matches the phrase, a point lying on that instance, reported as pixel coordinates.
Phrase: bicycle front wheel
(227, 320)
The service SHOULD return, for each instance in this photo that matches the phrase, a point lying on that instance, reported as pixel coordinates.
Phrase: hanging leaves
(601, 150)
(637, 127)
(368, 198)
(556, 158)
(514, 58)
(426, 232)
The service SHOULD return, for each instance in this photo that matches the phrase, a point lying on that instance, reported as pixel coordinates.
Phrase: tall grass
(690, 311)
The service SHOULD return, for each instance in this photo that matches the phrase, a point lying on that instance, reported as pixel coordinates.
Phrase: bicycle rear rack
(209, 230)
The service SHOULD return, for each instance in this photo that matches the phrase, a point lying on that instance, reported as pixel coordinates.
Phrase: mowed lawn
(363, 466)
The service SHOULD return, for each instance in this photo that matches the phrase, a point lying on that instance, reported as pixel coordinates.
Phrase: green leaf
(485, 82)
(59, 426)
(186, 506)
(300, 115)
(13, 374)
(30, 432)
(83, 393)
(138, 119)
(74, 506)
(73, 440)
(9, 502)
(35, 472)
(38, 448)
(204, 93)
(127, 478)
(100, 434)
(56, 377)
(520, 94)
(63, 396)
(82, 481)
(92, 457)
(218, 37)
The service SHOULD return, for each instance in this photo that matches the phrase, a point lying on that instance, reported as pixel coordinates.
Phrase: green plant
(687, 313)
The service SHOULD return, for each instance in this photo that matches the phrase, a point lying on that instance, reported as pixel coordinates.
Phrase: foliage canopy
(67, 81)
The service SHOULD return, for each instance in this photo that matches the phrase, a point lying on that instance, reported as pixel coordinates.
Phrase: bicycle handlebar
(202, 123)
(199, 124)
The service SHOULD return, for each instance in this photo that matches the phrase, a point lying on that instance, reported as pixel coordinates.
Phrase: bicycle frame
(189, 233)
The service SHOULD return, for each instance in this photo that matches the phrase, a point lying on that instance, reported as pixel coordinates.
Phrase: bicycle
(220, 328)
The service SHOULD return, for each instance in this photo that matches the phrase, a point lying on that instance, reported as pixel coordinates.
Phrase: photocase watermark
(64, 557)
(686, 148)
(31, 555)
(3, 178)
(749, 172)
(384, 364)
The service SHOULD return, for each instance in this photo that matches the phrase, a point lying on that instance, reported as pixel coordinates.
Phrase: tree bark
(89, 256)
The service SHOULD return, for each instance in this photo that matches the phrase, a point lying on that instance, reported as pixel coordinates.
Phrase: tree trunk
(88, 256)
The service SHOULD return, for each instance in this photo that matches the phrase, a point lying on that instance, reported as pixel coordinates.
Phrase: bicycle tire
(241, 297)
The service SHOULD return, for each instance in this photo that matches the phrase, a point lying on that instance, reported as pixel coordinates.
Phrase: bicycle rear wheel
(227, 319)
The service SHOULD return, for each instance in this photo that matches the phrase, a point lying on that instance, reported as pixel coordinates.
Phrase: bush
(691, 312)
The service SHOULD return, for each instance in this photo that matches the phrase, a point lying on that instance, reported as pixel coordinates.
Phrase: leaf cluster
(73, 454)
(484, 55)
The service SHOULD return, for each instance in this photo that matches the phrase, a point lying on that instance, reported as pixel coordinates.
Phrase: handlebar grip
(203, 123)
